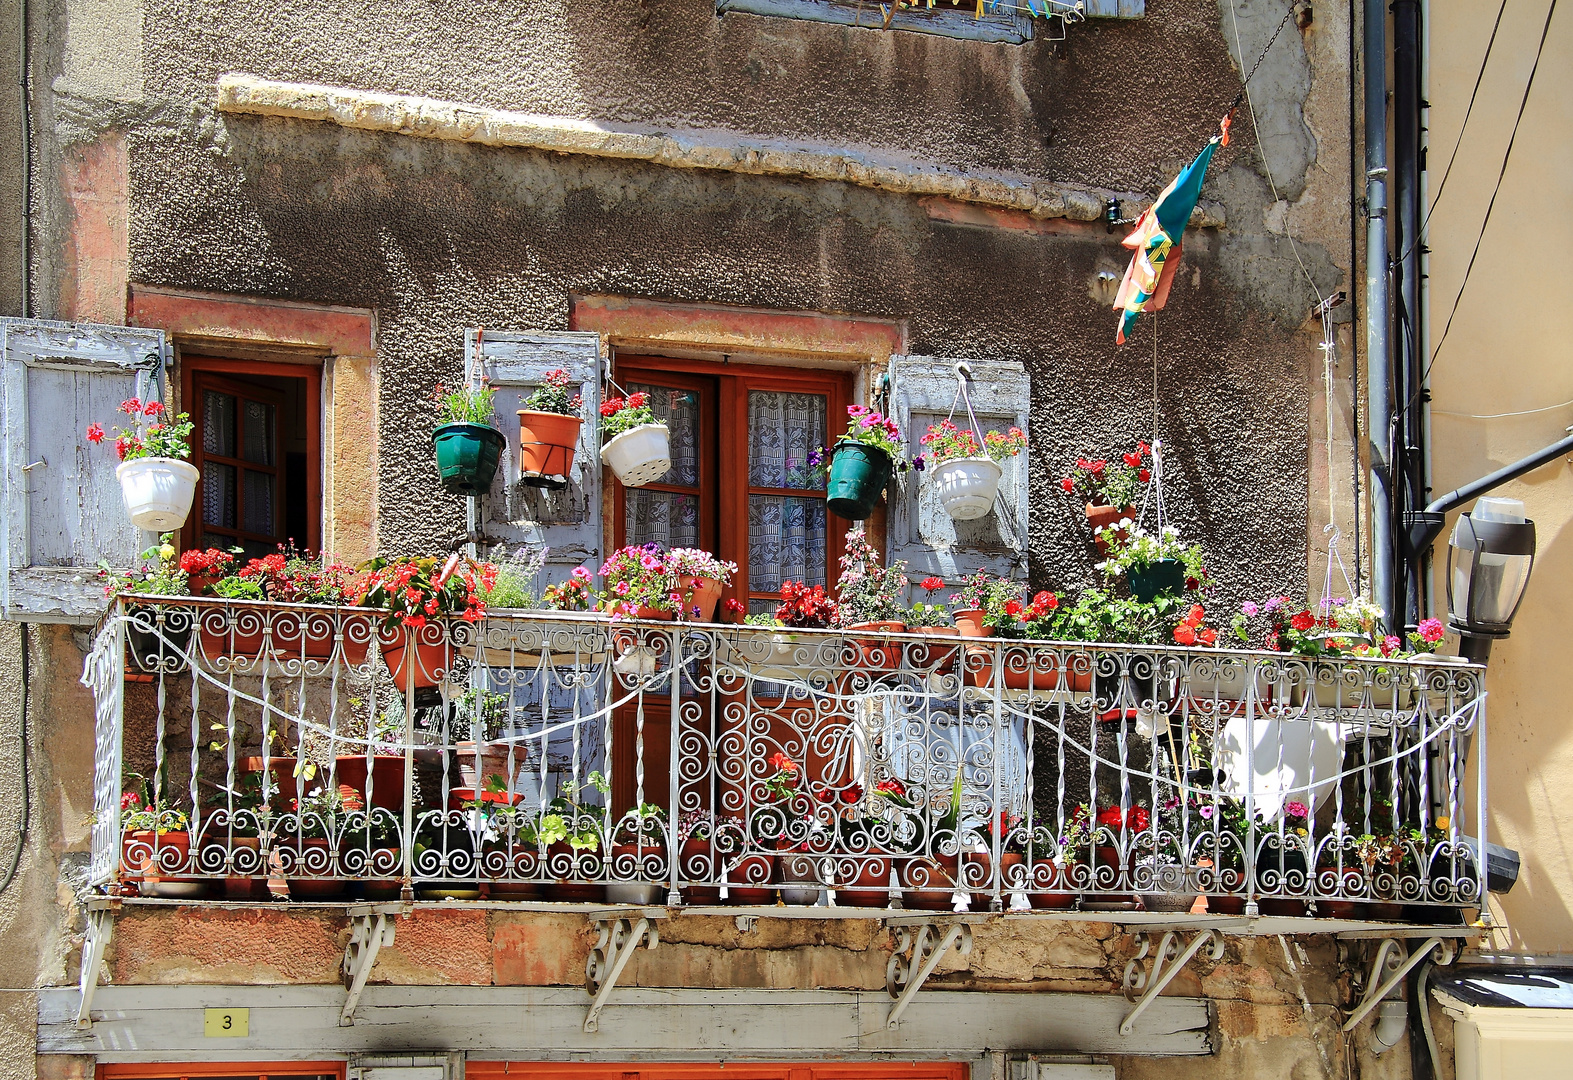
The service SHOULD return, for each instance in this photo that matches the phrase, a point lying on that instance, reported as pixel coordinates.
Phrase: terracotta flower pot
(927, 884)
(432, 659)
(1031, 671)
(546, 447)
(248, 878)
(871, 886)
(969, 623)
(387, 776)
(702, 593)
(879, 654)
(154, 868)
(1047, 884)
(383, 860)
(310, 635)
(1101, 517)
(931, 656)
(752, 876)
(560, 858)
(696, 861)
(978, 878)
(511, 874)
(311, 856)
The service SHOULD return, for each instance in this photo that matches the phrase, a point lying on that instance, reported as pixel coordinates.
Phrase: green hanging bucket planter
(1165, 577)
(467, 457)
(858, 475)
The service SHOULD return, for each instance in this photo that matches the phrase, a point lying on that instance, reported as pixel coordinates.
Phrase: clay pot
(930, 656)
(753, 875)
(1037, 671)
(696, 860)
(433, 659)
(701, 592)
(1284, 908)
(879, 654)
(1047, 876)
(387, 774)
(525, 865)
(243, 885)
(568, 891)
(926, 885)
(141, 863)
(295, 635)
(969, 623)
(310, 854)
(382, 861)
(977, 870)
(871, 886)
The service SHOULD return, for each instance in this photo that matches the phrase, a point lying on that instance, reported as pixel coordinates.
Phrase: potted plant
(861, 462)
(934, 620)
(204, 568)
(377, 758)
(701, 577)
(412, 592)
(511, 849)
(963, 474)
(570, 831)
(1110, 492)
(548, 432)
(155, 844)
(640, 584)
(158, 635)
(638, 865)
(1153, 564)
(156, 481)
(788, 657)
(468, 443)
(309, 847)
(287, 577)
(370, 853)
(478, 718)
(871, 597)
(633, 442)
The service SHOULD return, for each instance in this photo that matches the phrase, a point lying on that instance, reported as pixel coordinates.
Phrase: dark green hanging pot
(1166, 577)
(858, 475)
(467, 457)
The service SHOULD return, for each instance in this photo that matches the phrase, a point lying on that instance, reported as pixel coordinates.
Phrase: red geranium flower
(95, 433)
(1068, 484)
(1303, 621)
(931, 583)
(1133, 460)
(1184, 634)
(1013, 607)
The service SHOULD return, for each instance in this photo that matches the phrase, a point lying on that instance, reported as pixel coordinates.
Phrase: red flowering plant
(1085, 830)
(620, 414)
(414, 590)
(784, 781)
(805, 608)
(946, 442)
(211, 564)
(1427, 637)
(575, 594)
(927, 613)
(153, 432)
(639, 577)
(552, 395)
(1335, 627)
(1104, 483)
(1192, 631)
(1002, 602)
(287, 576)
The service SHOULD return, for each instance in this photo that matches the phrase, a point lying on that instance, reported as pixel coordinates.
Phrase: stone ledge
(433, 118)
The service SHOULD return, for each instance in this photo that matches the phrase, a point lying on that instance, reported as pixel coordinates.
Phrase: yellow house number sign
(226, 1023)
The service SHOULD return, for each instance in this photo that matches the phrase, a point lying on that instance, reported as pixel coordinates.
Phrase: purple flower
(1206, 812)
(917, 463)
(816, 457)
(1249, 609)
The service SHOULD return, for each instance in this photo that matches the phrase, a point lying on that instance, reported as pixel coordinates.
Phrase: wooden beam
(156, 1023)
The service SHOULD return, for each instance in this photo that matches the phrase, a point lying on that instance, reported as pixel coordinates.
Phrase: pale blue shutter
(568, 522)
(922, 390)
(62, 502)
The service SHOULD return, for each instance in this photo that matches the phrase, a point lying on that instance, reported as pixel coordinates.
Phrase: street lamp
(1489, 559)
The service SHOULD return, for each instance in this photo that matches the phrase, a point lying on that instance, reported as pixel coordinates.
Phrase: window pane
(218, 493)
(218, 424)
(259, 433)
(680, 410)
(666, 517)
(782, 429)
(786, 541)
(259, 503)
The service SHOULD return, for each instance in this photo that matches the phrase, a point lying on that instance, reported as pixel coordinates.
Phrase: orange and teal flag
(1156, 241)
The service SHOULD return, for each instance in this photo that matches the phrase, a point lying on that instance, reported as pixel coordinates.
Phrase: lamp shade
(1489, 561)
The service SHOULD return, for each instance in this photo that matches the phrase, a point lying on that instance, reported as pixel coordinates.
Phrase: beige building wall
(1510, 351)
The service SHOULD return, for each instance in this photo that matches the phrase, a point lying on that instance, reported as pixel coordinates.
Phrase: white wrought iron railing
(290, 750)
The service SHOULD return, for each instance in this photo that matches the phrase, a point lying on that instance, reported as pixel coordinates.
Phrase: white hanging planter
(639, 455)
(966, 486)
(158, 491)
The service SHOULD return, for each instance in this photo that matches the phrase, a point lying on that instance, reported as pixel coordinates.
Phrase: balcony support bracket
(1166, 964)
(370, 929)
(1390, 967)
(619, 939)
(919, 949)
(100, 926)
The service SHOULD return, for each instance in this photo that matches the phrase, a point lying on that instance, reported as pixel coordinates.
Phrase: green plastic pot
(858, 475)
(1166, 577)
(467, 457)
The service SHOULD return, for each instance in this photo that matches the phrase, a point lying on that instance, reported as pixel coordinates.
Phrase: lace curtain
(669, 518)
(680, 410)
(786, 536)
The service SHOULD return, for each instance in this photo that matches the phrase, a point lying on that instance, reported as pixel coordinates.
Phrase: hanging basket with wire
(634, 442)
(965, 468)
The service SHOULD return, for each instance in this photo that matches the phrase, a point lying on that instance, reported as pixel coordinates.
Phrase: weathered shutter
(62, 502)
(568, 522)
(922, 391)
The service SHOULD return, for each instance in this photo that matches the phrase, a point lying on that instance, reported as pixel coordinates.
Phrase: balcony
(290, 752)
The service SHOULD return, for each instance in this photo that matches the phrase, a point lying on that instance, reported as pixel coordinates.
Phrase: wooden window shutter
(568, 522)
(922, 391)
(62, 502)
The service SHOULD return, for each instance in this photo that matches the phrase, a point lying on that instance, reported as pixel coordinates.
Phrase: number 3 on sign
(226, 1023)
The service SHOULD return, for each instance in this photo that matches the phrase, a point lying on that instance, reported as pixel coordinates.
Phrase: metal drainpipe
(1411, 489)
(26, 269)
(1378, 306)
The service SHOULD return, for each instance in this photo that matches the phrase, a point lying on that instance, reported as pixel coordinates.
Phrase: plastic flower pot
(1164, 577)
(858, 475)
(467, 456)
(702, 593)
(966, 486)
(546, 446)
(157, 491)
(639, 455)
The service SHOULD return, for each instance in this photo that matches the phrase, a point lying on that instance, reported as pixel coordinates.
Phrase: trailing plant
(552, 396)
(464, 405)
(1098, 482)
(624, 414)
(1131, 548)
(153, 433)
(867, 591)
(946, 442)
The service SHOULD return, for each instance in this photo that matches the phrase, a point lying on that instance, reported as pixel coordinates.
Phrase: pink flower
(1296, 810)
(95, 433)
(130, 800)
(579, 573)
(650, 562)
(1431, 630)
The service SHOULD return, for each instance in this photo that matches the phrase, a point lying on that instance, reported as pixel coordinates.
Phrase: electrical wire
(26, 809)
(1501, 173)
(1501, 415)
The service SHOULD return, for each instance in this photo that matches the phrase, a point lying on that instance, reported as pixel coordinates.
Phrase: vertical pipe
(1409, 486)
(1378, 308)
(26, 101)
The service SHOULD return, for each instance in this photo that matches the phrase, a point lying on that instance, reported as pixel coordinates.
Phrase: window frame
(733, 383)
(190, 366)
(189, 1070)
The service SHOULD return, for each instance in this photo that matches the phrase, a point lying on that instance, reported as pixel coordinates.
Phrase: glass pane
(786, 541)
(218, 424)
(259, 433)
(782, 429)
(218, 493)
(259, 503)
(680, 410)
(666, 517)
(216, 540)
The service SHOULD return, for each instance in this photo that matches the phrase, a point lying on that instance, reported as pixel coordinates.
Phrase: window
(740, 483)
(255, 441)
